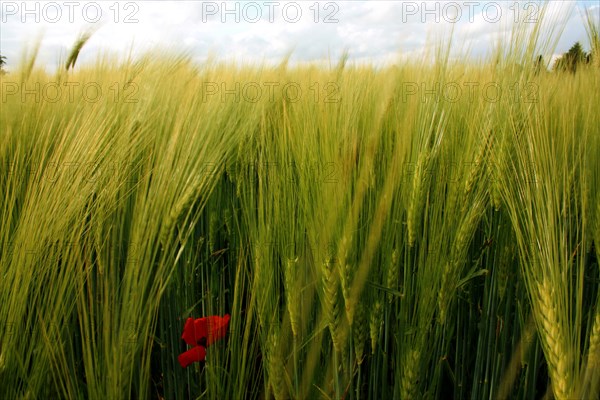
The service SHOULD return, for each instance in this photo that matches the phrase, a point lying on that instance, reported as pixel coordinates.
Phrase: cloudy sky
(265, 31)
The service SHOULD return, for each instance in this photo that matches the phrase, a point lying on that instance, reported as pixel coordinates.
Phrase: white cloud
(370, 30)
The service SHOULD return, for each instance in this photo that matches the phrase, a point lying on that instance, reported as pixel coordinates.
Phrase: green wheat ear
(359, 330)
(416, 200)
(392, 274)
(330, 285)
(77, 46)
(275, 363)
(293, 293)
(375, 324)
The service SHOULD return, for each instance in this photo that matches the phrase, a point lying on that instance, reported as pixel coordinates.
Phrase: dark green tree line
(573, 59)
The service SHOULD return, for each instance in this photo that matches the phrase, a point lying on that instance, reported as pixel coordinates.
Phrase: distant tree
(539, 64)
(2, 64)
(570, 60)
(589, 58)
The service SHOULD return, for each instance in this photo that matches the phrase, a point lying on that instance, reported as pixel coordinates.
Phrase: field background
(367, 241)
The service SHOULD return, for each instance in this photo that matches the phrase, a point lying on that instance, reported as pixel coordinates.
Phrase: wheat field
(427, 230)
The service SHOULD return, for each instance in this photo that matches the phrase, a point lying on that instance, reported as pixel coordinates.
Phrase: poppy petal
(195, 330)
(195, 354)
(217, 328)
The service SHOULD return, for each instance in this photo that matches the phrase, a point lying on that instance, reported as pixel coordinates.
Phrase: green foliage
(2, 64)
(572, 59)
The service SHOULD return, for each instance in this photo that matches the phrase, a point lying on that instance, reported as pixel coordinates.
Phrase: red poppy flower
(200, 334)
(209, 329)
(197, 353)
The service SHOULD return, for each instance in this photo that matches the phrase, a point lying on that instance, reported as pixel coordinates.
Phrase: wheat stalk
(502, 269)
(458, 253)
(293, 294)
(591, 377)
(359, 331)
(345, 274)
(184, 203)
(443, 294)
(375, 324)
(558, 358)
(416, 200)
(410, 374)
(275, 364)
(392, 275)
(330, 301)
(479, 163)
(212, 231)
(466, 230)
